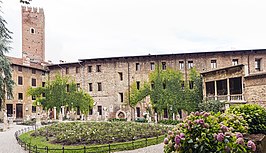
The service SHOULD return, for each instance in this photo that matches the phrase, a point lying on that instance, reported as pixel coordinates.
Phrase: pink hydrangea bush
(203, 132)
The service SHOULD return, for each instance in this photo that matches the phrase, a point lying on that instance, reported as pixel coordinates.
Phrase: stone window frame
(90, 87)
(120, 76)
(98, 68)
(33, 71)
(20, 96)
(100, 109)
(190, 64)
(235, 61)
(67, 70)
(100, 88)
(163, 65)
(152, 64)
(33, 83)
(213, 63)
(20, 68)
(33, 109)
(138, 84)
(77, 69)
(181, 65)
(20, 82)
(137, 66)
(138, 111)
(89, 69)
(258, 62)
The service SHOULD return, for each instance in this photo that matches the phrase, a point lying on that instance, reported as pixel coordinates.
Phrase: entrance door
(9, 108)
(19, 111)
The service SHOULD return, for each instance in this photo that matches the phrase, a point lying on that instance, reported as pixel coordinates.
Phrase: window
(20, 96)
(152, 85)
(67, 70)
(152, 66)
(33, 82)
(138, 85)
(99, 86)
(43, 84)
(258, 64)
(181, 65)
(138, 111)
(8, 97)
(90, 86)
(120, 75)
(234, 61)
(100, 110)
(33, 98)
(20, 80)
(43, 94)
(78, 86)
(90, 111)
(77, 69)
(33, 109)
(164, 65)
(32, 30)
(213, 64)
(164, 85)
(165, 113)
(67, 87)
(89, 69)
(19, 68)
(33, 71)
(121, 97)
(98, 68)
(191, 84)
(190, 64)
(137, 66)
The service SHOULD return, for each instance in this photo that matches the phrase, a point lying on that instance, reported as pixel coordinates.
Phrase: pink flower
(239, 135)
(224, 128)
(197, 113)
(176, 146)
(177, 139)
(182, 135)
(201, 121)
(220, 137)
(170, 133)
(206, 114)
(206, 125)
(165, 141)
(251, 145)
(240, 141)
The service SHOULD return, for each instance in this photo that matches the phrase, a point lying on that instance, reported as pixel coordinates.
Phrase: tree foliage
(168, 90)
(6, 82)
(62, 92)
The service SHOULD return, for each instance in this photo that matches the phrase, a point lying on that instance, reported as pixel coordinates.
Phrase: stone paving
(150, 149)
(8, 142)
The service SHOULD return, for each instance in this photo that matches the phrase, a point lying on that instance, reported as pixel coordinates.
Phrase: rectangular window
(258, 64)
(20, 96)
(138, 111)
(20, 80)
(99, 86)
(67, 70)
(43, 94)
(67, 88)
(90, 86)
(78, 86)
(213, 64)
(181, 65)
(138, 85)
(43, 84)
(77, 69)
(98, 68)
(33, 109)
(120, 76)
(235, 62)
(33, 71)
(190, 64)
(100, 110)
(89, 69)
(90, 111)
(191, 84)
(152, 66)
(137, 67)
(165, 113)
(121, 97)
(20, 68)
(33, 82)
(33, 98)
(152, 85)
(164, 65)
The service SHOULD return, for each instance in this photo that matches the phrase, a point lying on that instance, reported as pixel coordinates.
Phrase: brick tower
(33, 37)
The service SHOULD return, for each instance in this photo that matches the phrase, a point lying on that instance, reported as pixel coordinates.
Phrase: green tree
(6, 82)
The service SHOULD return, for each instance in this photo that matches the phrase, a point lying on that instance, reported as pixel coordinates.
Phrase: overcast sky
(78, 29)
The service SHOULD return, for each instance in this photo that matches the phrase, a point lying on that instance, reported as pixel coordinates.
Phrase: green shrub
(141, 120)
(255, 116)
(202, 132)
(169, 122)
(211, 106)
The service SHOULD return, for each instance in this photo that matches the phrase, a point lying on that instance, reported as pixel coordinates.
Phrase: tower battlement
(32, 9)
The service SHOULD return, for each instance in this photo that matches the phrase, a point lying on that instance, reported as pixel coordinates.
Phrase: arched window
(32, 30)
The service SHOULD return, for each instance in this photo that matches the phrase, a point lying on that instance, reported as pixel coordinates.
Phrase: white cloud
(86, 29)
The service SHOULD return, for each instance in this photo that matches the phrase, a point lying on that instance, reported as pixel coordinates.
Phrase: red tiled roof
(19, 61)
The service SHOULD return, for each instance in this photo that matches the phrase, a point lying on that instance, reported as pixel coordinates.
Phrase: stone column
(5, 121)
(228, 89)
(173, 116)
(215, 90)
(63, 111)
(54, 113)
(155, 117)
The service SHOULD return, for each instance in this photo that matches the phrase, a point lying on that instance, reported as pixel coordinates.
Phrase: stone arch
(121, 114)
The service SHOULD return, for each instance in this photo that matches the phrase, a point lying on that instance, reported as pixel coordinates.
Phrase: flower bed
(82, 133)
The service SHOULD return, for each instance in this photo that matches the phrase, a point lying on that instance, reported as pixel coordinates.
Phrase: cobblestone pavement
(150, 149)
(8, 142)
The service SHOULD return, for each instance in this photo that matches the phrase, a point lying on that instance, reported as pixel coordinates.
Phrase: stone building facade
(228, 75)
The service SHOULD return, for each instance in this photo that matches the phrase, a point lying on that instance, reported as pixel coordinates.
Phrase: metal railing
(107, 148)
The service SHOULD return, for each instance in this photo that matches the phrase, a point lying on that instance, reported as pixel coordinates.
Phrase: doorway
(19, 111)
(9, 108)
